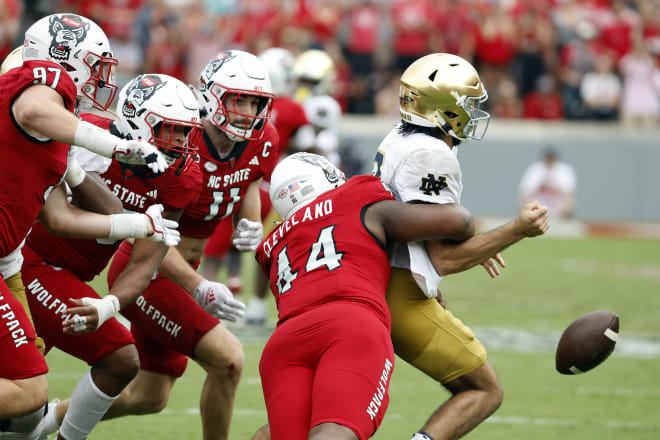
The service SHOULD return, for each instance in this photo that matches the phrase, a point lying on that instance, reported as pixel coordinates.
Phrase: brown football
(587, 342)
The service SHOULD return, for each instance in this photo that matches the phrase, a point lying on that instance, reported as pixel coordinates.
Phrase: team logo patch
(67, 31)
(210, 167)
(431, 184)
(212, 67)
(282, 194)
(141, 89)
(329, 170)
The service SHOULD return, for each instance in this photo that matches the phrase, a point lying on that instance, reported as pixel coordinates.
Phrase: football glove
(218, 301)
(247, 235)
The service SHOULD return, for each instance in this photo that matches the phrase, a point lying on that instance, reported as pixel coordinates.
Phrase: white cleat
(256, 312)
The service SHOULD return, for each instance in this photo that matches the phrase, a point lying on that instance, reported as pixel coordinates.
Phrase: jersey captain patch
(431, 184)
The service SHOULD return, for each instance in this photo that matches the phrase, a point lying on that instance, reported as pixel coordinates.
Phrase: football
(587, 342)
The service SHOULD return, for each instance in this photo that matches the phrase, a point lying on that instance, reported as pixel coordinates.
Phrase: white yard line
(644, 271)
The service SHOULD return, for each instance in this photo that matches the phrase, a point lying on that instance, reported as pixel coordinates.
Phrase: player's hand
(90, 315)
(218, 301)
(247, 235)
(160, 228)
(139, 152)
(491, 265)
(533, 219)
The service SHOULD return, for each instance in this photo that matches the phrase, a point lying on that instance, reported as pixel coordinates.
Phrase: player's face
(172, 134)
(240, 108)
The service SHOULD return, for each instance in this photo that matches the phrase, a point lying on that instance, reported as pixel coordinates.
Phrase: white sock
(87, 407)
(421, 436)
(49, 423)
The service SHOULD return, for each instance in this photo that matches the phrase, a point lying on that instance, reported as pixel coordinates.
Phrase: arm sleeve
(90, 162)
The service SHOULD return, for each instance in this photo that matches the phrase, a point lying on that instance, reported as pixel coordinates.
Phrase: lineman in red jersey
(326, 369)
(162, 110)
(237, 148)
(37, 101)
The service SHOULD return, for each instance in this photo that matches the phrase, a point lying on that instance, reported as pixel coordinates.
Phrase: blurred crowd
(539, 59)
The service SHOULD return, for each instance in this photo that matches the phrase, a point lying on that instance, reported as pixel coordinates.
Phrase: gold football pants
(428, 336)
(15, 284)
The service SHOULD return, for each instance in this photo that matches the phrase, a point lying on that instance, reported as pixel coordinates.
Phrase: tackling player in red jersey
(177, 315)
(326, 369)
(162, 110)
(68, 66)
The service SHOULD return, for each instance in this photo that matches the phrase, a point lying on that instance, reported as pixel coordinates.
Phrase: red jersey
(225, 180)
(87, 258)
(287, 116)
(30, 168)
(324, 253)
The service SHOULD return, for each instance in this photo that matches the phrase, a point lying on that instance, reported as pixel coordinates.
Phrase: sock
(49, 423)
(421, 435)
(88, 404)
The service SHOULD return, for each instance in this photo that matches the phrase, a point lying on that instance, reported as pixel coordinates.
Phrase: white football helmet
(82, 48)
(279, 64)
(239, 73)
(323, 112)
(153, 106)
(300, 178)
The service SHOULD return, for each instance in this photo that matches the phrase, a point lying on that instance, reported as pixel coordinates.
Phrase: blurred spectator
(508, 104)
(363, 36)
(639, 103)
(411, 22)
(552, 183)
(453, 28)
(601, 90)
(10, 12)
(544, 102)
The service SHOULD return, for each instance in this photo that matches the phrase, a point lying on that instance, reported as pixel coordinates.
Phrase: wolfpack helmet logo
(142, 88)
(328, 169)
(212, 67)
(67, 31)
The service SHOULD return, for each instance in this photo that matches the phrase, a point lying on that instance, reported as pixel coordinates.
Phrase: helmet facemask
(174, 138)
(100, 88)
(248, 126)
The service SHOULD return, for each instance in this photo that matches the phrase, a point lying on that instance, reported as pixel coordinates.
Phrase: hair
(406, 128)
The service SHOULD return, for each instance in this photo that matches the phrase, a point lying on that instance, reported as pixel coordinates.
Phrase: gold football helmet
(314, 71)
(14, 59)
(444, 90)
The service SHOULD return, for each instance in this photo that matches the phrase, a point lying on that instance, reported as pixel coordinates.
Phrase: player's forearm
(93, 195)
(251, 206)
(136, 276)
(450, 257)
(178, 270)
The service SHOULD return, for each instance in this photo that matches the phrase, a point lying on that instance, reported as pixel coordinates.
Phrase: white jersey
(418, 167)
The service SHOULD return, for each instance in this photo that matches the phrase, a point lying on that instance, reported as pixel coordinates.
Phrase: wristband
(74, 173)
(128, 225)
(95, 139)
(107, 307)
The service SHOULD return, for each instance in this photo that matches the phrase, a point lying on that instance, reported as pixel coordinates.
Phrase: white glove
(164, 229)
(139, 152)
(218, 301)
(248, 235)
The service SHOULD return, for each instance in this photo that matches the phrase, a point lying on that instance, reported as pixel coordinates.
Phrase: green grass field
(548, 283)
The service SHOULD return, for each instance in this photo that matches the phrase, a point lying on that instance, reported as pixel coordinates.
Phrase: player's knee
(495, 396)
(151, 404)
(34, 394)
(123, 364)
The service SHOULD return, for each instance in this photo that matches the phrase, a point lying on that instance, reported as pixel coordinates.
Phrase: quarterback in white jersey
(419, 168)
(440, 100)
